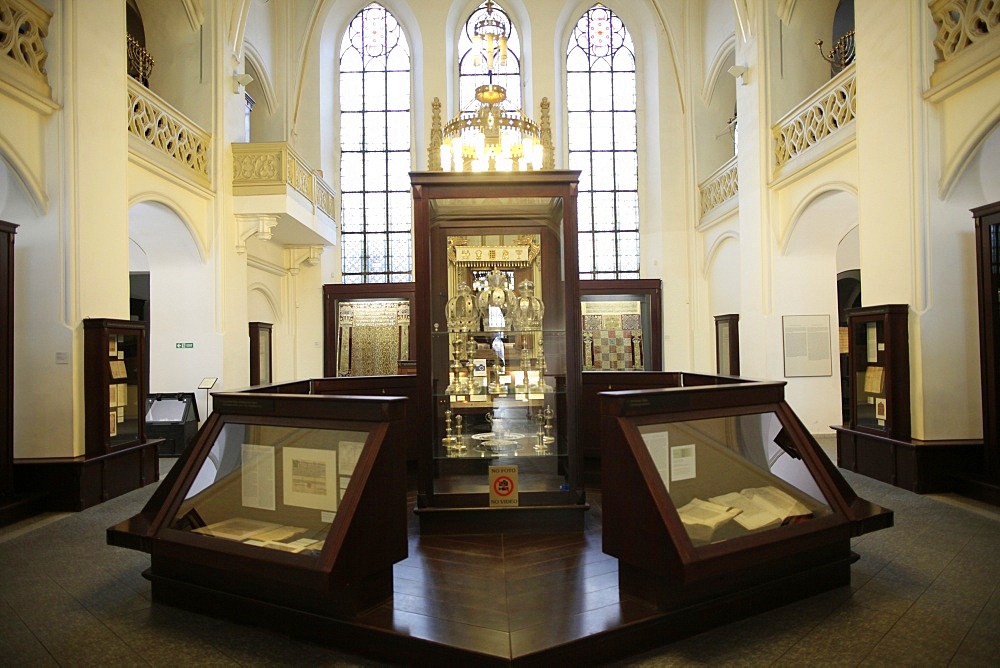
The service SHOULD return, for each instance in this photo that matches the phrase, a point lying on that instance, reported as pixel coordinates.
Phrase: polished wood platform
(503, 600)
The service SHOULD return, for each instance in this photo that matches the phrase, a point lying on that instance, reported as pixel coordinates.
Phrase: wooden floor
(508, 599)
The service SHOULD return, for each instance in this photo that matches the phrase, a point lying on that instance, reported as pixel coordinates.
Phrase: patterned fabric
(373, 337)
(612, 342)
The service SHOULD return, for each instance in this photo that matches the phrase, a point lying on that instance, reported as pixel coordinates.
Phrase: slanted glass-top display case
(284, 500)
(731, 495)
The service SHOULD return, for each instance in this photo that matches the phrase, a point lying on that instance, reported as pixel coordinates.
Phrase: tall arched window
(376, 226)
(473, 68)
(601, 123)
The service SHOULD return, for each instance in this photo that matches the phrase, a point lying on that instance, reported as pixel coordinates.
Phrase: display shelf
(278, 501)
(622, 324)
(367, 329)
(115, 384)
(497, 321)
(730, 494)
(879, 363)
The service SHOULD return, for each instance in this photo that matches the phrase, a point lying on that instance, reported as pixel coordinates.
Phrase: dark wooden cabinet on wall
(621, 324)
(987, 221)
(260, 353)
(727, 344)
(877, 440)
(367, 329)
(118, 458)
(7, 231)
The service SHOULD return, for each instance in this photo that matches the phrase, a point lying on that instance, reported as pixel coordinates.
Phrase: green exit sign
(184, 345)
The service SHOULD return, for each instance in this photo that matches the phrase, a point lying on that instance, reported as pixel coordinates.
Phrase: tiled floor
(924, 593)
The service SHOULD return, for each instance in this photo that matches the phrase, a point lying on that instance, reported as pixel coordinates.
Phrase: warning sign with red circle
(503, 486)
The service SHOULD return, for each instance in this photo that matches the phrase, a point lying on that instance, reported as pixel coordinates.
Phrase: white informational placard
(257, 474)
(309, 478)
(807, 345)
(682, 462)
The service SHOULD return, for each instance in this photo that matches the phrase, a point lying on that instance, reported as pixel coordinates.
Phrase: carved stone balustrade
(720, 187)
(274, 187)
(166, 137)
(23, 28)
(824, 114)
(963, 23)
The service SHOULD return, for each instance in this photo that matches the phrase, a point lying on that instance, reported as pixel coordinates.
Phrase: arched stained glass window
(376, 225)
(473, 67)
(601, 123)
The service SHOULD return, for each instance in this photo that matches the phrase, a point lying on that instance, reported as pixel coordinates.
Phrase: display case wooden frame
(114, 364)
(335, 295)
(646, 291)
(7, 232)
(752, 571)
(879, 364)
(260, 353)
(987, 223)
(541, 205)
(351, 570)
(727, 344)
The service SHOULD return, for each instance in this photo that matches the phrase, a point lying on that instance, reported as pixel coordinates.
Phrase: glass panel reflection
(732, 476)
(273, 487)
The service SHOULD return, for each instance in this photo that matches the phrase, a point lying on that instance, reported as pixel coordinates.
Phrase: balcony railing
(962, 23)
(719, 187)
(828, 110)
(268, 168)
(23, 29)
(168, 131)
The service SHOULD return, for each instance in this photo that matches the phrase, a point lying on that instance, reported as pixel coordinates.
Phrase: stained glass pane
(375, 146)
(602, 139)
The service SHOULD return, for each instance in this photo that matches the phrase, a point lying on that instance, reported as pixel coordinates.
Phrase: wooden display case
(727, 344)
(7, 232)
(115, 384)
(987, 220)
(287, 506)
(498, 376)
(367, 329)
(622, 325)
(260, 353)
(715, 491)
(879, 366)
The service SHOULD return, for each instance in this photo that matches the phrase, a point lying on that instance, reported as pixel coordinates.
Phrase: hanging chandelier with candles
(490, 133)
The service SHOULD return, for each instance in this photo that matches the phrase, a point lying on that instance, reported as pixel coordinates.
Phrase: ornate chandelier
(489, 133)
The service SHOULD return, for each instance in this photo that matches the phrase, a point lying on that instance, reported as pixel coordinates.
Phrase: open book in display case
(736, 502)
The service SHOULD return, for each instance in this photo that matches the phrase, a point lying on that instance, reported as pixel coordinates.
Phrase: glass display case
(621, 325)
(498, 318)
(7, 232)
(879, 364)
(114, 377)
(727, 344)
(367, 329)
(174, 418)
(732, 496)
(278, 501)
(260, 353)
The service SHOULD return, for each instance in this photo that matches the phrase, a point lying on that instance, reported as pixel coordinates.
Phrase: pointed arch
(201, 245)
(965, 153)
(272, 300)
(30, 182)
(722, 55)
(818, 193)
(264, 77)
(713, 250)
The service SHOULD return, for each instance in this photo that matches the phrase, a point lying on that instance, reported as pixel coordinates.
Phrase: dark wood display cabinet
(621, 323)
(289, 511)
(719, 504)
(7, 232)
(727, 344)
(984, 484)
(367, 329)
(876, 442)
(118, 457)
(260, 353)
(497, 327)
